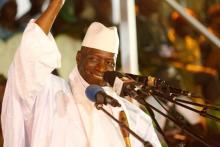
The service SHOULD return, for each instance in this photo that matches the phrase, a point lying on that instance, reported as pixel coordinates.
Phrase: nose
(101, 67)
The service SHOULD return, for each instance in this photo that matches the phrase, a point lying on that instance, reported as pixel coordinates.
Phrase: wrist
(56, 4)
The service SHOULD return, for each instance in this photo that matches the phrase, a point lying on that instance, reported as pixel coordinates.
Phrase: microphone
(125, 86)
(96, 94)
(149, 81)
(122, 85)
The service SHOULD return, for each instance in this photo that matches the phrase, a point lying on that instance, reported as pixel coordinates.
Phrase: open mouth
(98, 76)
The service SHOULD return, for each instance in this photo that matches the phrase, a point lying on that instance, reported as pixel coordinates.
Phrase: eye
(93, 59)
(110, 63)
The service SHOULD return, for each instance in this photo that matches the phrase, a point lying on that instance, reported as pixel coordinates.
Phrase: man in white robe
(43, 110)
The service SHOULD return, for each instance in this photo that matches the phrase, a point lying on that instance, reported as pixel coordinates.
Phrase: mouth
(98, 76)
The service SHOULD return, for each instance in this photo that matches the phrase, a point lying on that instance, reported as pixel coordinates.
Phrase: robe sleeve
(36, 57)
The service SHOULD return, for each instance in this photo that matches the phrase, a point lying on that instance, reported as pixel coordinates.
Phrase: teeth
(100, 77)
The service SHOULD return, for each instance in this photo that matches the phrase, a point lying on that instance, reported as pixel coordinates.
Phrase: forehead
(96, 52)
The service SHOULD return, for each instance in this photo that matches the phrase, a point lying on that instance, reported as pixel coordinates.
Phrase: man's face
(93, 63)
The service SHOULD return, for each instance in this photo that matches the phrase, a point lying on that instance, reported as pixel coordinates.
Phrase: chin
(97, 82)
(101, 83)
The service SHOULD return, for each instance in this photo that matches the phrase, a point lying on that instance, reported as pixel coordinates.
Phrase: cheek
(90, 66)
(88, 69)
(110, 68)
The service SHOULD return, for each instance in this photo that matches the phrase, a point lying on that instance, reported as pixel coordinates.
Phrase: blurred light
(23, 7)
(116, 11)
(45, 5)
(195, 68)
(2, 2)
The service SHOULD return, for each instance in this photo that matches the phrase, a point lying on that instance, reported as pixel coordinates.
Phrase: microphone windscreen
(91, 92)
(110, 76)
(138, 78)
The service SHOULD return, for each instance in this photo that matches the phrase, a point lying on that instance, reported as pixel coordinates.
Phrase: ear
(78, 57)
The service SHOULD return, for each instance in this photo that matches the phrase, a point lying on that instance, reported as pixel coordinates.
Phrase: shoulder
(56, 80)
(58, 83)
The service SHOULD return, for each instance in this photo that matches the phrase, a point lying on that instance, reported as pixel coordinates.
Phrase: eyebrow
(100, 55)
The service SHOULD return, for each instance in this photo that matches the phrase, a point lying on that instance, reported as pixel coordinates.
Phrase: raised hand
(46, 20)
(63, 1)
(58, 2)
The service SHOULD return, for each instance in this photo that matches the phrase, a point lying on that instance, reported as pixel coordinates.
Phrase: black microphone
(96, 94)
(149, 81)
(126, 86)
(122, 85)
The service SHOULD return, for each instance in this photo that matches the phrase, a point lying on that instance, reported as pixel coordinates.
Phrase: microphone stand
(180, 125)
(174, 100)
(159, 88)
(199, 105)
(140, 96)
(145, 143)
(151, 113)
(170, 92)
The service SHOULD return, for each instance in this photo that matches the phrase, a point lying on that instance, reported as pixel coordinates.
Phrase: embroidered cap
(101, 37)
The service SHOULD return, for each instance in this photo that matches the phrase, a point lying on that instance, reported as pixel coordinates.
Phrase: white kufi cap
(103, 38)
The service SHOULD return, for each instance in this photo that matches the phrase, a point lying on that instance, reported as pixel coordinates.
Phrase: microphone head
(91, 92)
(110, 76)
